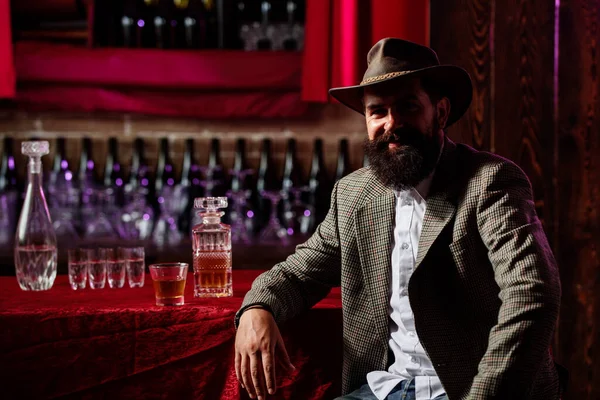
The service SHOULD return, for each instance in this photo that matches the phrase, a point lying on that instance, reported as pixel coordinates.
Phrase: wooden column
(579, 195)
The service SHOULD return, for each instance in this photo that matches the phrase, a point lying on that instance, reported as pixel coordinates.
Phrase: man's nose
(393, 121)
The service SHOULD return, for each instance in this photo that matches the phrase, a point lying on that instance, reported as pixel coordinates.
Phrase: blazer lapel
(440, 206)
(374, 223)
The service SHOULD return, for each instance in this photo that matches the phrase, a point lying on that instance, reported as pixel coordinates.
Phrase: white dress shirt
(411, 361)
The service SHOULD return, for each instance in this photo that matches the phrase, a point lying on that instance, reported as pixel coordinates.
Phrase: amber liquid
(169, 292)
(212, 274)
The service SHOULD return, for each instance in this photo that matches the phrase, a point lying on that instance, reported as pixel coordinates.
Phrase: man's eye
(378, 111)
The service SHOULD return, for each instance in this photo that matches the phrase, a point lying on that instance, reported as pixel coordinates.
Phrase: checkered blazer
(485, 291)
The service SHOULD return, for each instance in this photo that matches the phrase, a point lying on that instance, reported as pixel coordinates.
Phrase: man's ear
(443, 111)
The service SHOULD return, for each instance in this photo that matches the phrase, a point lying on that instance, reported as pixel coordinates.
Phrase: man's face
(404, 132)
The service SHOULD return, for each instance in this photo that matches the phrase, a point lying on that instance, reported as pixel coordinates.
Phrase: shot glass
(78, 268)
(97, 268)
(169, 283)
(115, 268)
(136, 266)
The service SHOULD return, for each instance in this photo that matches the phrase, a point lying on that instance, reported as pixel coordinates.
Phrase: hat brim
(453, 82)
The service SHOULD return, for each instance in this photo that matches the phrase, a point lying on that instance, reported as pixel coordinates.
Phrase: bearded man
(449, 287)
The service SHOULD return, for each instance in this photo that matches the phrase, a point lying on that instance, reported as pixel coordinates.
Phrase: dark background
(536, 102)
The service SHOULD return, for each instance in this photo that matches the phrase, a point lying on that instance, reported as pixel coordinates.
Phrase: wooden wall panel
(524, 123)
(579, 195)
(467, 44)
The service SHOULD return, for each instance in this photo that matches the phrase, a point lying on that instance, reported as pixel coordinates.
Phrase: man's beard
(408, 164)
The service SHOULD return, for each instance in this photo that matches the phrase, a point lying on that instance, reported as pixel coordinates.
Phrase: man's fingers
(285, 357)
(238, 363)
(268, 362)
(258, 378)
(246, 377)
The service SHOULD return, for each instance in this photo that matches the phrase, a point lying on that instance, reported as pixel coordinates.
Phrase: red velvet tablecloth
(115, 343)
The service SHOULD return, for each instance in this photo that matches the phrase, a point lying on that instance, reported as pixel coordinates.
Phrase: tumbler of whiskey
(169, 283)
(211, 242)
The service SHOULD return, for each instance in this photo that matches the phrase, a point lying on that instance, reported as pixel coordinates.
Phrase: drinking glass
(238, 216)
(78, 268)
(171, 202)
(169, 283)
(297, 214)
(274, 232)
(97, 268)
(115, 268)
(136, 266)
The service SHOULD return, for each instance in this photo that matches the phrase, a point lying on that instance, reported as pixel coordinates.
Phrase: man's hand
(256, 341)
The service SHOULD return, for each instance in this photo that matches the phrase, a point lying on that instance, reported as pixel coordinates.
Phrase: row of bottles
(211, 179)
(200, 24)
(191, 171)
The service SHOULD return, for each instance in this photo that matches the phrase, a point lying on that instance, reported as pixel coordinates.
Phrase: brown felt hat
(397, 59)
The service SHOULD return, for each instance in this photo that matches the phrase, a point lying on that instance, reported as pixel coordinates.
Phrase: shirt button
(411, 334)
(413, 360)
(404, 246)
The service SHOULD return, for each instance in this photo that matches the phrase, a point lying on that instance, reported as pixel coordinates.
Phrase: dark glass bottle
(136, 24)
(239, 24)
(343, 160)
(264, 43)
(113, 171)
(87, 171)
(292, 171)
(267, 177)
(8, 171)
(165, 171)
(168, 24)
(60, 166)
(191, 178)
(190, 172)
(10, 193)
(216, 179)
(290, 43)
(195, 23)
(212, 28)
(239, 179)
(139, 176)
(319, 183)
(266, 180)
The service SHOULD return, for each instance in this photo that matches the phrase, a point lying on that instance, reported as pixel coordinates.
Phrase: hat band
(385, 76)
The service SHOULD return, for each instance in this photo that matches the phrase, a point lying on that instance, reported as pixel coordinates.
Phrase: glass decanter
(35, 240)
(211, 241)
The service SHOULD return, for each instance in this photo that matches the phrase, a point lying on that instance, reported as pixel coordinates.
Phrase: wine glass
(64, 211)
(240, 228)
(297, 214)
(137, 217)
(273, 232)
(171, 202)
(97, 214)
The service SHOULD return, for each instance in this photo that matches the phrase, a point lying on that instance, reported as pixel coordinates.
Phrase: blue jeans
(405, 390)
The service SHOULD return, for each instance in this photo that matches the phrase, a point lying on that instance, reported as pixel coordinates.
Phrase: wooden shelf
(204, 84)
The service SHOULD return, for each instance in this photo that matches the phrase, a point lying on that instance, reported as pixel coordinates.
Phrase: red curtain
(339, 34)
(7, 69)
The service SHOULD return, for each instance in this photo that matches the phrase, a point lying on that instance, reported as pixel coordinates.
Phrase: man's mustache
(404, 136)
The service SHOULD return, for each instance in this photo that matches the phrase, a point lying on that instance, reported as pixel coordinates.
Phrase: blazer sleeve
(305, 277)
(527, 275)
